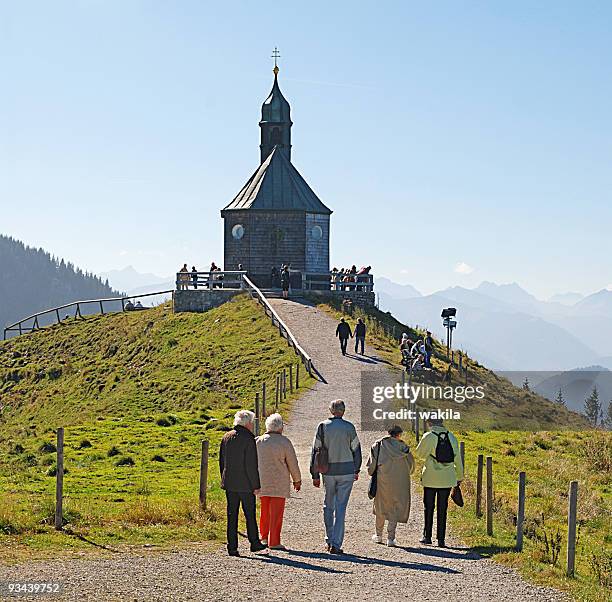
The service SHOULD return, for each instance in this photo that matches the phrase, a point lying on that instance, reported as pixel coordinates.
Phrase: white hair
(243, 417)
(337, 406)
(274, 423)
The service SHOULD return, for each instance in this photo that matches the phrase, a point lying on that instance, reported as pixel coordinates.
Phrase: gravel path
(306, 572)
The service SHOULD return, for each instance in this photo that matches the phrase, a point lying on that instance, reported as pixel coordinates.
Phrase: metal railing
(209, 280)
(32, 323)
(335, 281)
(283, 329)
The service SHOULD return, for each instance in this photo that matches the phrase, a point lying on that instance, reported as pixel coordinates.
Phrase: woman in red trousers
(278, 467)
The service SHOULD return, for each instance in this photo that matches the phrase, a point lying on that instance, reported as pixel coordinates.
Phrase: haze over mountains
(32, 280)
(510, 329)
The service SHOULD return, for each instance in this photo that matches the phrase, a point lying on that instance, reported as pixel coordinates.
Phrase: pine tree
(607, 422)
(592, 407)
(526, 384)
(560, 399)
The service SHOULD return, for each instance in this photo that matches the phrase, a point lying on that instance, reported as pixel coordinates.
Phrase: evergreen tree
(607, 421)
(32, 280)
(526, 384)
(592, 407)
(560, 399)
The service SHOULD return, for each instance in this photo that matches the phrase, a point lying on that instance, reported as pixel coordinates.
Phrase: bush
(163, 421)
(601, 568)
(16, 449)
(125, 461)
(158, 458)
(113, 451)
(47, 448)
(84, 444)
(52, 470)
(597, 450)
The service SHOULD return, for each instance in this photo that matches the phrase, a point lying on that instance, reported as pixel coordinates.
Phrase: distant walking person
(442, 471)
(429, 347)
(240, 479)
(285, 281)
(391, 460)
(360, 335)
(343, 463)
(343, 332)
(278, 465)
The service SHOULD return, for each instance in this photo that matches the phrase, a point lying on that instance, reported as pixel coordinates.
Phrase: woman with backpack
(390, 466)
(443, 470)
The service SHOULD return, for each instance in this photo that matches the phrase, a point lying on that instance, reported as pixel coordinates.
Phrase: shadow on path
(362, 358)
(297, 564)
(454, 553)
(417, 566)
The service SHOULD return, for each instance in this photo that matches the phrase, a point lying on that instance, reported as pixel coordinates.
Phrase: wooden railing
(209, 280)
(32, 322)
(283, 329)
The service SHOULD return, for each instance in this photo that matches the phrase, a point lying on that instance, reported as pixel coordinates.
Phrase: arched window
(275, 136)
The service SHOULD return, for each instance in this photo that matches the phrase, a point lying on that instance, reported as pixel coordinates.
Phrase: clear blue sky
(445, 133)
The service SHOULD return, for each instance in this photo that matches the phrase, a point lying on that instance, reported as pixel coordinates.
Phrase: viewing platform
(201, 291)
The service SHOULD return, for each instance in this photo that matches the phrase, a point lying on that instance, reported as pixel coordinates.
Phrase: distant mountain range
(509, 328)
(136, 283)
(32, 280)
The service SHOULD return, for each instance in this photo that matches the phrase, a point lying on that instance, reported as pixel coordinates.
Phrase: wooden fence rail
(23, 326)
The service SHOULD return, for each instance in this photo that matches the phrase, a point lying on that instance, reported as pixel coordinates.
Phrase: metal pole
(256, 414)
(263, 400)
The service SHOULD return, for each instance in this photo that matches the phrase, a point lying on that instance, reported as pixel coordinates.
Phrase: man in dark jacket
(343, 332)
(429, 347)
(360, 334)
(240, 479)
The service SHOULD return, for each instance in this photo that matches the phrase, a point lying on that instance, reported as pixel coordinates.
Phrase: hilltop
(136, 393)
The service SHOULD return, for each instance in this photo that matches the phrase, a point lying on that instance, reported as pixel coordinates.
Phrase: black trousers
(343, 343)
(234, 499)
(359, 341)
(429, 501)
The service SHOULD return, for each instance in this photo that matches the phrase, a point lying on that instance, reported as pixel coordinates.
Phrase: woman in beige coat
(277, 465)
(390, 457)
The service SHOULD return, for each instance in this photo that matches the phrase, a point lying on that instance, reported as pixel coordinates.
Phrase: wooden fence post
(291, 378)
(489, 495)
(59, 481)
(462, 453)
(479, 485)
(571, 528)
(204, 474)
(263, 401)
(520, 515)
(257, 414)
(297, 376)
(277, 393)
(284, 383)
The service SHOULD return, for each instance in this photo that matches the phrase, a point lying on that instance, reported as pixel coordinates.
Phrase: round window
(316, 232)
(238, 231)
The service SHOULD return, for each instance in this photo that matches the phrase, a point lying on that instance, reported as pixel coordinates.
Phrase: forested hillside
(32, 280)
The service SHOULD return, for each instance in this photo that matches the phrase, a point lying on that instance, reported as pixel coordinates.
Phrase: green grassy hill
(136, 393)
(504, 407)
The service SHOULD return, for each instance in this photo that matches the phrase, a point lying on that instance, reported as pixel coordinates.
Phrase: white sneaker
(264, 542)
(391, 543)
(376, 539)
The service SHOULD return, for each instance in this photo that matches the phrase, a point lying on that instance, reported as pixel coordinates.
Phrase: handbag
(372, 489)
(321, 457)
(457, 496)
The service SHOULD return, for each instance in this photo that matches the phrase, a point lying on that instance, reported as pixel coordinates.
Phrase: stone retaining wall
(202, 300)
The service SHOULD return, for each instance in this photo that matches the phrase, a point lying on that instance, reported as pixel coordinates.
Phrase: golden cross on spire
(275, 56)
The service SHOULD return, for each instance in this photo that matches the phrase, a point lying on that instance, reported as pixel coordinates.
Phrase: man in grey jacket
(340, 439)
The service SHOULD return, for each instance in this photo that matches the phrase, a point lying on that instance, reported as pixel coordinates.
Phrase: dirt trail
(306, 572)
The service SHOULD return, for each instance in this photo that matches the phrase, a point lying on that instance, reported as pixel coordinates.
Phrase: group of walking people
(267, 467)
